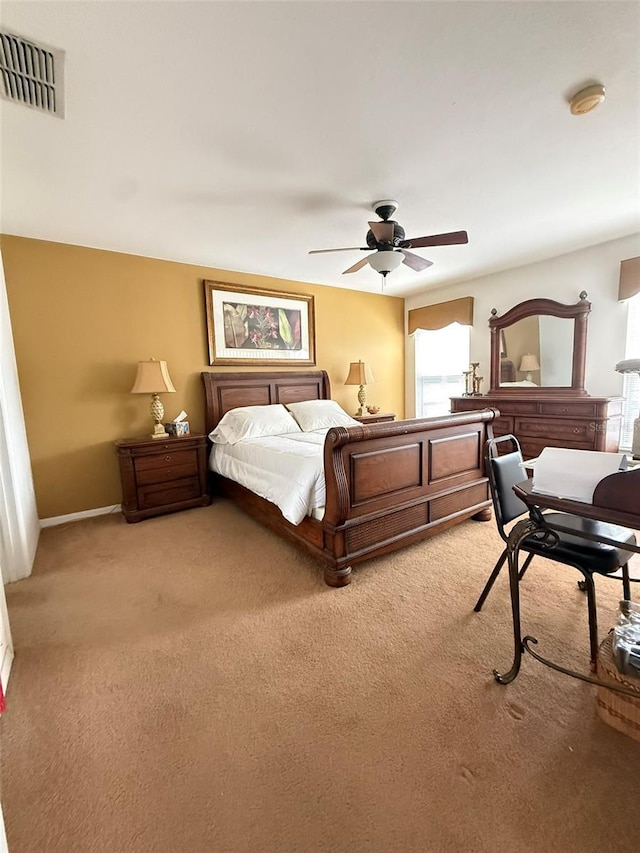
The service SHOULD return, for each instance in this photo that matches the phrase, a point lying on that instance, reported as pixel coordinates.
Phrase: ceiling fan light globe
(386, 261)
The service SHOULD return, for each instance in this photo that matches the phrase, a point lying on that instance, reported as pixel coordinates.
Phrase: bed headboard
(224, 391)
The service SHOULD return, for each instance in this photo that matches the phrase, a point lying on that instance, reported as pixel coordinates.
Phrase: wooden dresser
(538, 421)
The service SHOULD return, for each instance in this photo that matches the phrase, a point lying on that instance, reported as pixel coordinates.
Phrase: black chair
(587, 556)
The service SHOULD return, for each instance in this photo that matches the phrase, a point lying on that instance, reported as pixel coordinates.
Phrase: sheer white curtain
(442, 355)
(631, 388)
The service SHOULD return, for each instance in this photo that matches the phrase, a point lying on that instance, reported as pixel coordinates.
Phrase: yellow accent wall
(82, 318)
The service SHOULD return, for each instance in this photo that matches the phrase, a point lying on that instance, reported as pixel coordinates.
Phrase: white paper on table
(573, 474)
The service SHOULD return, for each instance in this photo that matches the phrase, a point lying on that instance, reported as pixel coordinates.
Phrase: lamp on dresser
(360, 374)
(529, 364)
(153, 378)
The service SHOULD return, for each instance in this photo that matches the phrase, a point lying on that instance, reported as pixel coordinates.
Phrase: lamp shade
(152, 378)
(386, 261)
(359, 374)
(631, 365)
(529, 362)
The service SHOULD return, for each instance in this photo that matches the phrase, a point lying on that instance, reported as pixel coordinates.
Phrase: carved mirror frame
(546, 307)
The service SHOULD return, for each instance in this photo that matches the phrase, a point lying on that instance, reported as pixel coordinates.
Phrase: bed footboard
(392, 484)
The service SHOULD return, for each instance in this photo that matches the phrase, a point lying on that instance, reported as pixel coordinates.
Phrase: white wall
(595, 270)
(19, 525)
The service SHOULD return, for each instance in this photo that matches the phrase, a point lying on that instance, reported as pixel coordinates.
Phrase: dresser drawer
(162, 494)
(502, 426)
(563, 431)
(515, 407)
(532, 448)
(505, 405)
(582, 409)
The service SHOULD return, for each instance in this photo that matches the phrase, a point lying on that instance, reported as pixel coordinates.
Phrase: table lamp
(528, 364)
(632, 365)
(153, 378)
(360, 374)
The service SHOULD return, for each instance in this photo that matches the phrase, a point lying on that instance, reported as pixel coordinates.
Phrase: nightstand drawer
(161, 494)
(168, 459)
(166, 473)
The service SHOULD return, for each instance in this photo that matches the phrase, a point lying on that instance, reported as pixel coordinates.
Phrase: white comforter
(287, 470)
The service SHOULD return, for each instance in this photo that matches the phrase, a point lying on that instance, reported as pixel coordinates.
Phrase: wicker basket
(618, 711)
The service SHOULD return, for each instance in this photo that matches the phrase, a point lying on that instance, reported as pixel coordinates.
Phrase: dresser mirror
(540, 345)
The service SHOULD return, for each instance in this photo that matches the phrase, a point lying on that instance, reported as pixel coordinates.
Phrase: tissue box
(181, 428)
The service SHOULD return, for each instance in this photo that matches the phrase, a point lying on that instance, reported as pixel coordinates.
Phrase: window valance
(442, 314)
(629, 278)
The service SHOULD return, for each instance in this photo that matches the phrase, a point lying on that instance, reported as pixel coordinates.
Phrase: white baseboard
(78, 516)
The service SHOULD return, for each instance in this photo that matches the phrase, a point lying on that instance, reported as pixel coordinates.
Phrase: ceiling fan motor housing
(398, 236)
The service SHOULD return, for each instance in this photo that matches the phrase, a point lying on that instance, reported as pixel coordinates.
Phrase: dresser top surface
(535, 396)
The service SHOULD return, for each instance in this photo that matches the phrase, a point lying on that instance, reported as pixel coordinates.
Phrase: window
(442, 356)
(631, 387)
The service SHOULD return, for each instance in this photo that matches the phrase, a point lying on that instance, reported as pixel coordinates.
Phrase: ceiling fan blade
(348, 249)
(382, 231)
(357, 266)
(451, 238)
(415, 261)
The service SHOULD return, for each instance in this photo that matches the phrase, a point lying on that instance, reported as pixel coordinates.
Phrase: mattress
(287, 470)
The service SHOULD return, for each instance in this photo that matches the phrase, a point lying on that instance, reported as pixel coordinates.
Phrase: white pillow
(253, 422)
(320, 414)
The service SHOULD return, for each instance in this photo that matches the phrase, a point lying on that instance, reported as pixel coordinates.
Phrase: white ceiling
(240, 135)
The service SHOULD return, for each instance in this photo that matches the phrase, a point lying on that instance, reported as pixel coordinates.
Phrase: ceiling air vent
(32, 74)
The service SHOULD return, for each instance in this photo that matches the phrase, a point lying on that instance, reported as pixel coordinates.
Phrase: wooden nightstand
(378, 418)
(162, 475)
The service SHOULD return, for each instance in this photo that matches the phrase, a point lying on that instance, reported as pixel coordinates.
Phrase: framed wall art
(250, 325)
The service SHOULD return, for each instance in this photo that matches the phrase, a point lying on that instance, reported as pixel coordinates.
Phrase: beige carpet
(189, 684)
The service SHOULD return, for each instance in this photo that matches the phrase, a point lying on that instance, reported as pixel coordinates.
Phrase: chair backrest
(503, 473)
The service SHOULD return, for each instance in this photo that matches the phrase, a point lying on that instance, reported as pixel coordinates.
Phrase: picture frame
(252, 325)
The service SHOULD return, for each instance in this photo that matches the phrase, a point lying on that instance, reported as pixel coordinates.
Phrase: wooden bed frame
(388, 484)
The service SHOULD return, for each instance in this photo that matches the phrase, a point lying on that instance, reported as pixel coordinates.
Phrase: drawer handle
(167, 458)
(576, 430)
(565, 409)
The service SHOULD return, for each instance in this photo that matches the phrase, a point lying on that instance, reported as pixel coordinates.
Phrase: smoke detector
(586, 100)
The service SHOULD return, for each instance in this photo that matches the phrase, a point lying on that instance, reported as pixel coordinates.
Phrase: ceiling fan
(391, 246)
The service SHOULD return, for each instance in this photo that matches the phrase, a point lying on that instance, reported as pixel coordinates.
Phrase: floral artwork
(261, 327)
(258, 326)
